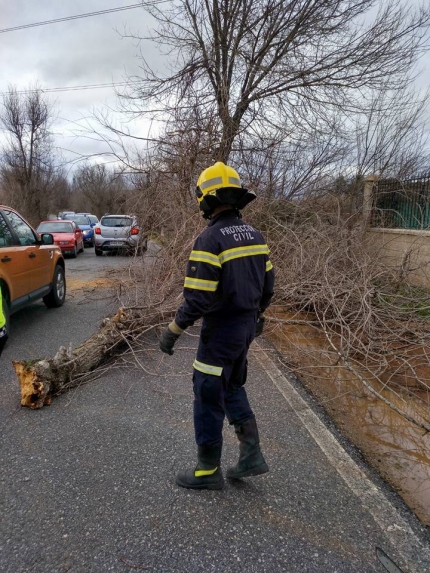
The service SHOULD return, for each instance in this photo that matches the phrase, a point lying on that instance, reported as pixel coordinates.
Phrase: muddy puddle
(398, 449)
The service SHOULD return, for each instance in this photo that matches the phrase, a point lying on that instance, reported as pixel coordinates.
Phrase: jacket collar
(230, 214)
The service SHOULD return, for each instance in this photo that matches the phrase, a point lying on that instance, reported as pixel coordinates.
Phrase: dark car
(93, 218)
(62, 214)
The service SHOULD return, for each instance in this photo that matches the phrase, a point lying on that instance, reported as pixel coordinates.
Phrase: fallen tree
(41, 379)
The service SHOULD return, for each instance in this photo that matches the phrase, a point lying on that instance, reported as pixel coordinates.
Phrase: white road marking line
(395, 528)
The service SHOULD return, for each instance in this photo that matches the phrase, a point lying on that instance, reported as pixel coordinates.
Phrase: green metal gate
(402, 204)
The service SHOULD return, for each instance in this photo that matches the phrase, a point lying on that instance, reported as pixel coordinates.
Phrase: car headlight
(87, 232)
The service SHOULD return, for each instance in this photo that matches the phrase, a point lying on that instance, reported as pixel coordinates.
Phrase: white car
(119, 233)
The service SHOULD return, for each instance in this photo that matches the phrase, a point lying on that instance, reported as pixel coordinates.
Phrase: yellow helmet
(220, 184)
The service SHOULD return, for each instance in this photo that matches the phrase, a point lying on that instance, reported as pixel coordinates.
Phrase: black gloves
(168, 338)
(260, 325)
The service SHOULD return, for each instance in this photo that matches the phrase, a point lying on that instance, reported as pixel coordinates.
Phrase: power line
(70, 88)
(108, 11)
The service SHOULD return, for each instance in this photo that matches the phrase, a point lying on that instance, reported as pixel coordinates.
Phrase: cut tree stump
(41, 379)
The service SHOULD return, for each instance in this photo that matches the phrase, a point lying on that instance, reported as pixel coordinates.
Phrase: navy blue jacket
(229, 272)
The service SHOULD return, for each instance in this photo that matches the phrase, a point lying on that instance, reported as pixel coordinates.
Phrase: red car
(67, 235)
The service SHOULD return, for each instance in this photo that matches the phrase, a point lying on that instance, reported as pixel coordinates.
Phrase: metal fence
(402, 204)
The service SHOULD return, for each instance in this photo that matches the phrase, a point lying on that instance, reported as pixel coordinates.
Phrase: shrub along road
(88, 482)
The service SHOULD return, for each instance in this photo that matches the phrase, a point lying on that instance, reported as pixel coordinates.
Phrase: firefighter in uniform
(229, 282)
(3, 329)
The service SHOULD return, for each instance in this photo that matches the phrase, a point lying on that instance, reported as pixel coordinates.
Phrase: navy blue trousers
(220, 371)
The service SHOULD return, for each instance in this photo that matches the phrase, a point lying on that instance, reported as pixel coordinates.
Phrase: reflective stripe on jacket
(2, 316)
(229, 272)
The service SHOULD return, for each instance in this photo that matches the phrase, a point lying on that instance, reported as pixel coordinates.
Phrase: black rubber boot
(207, 474)
(251, 461)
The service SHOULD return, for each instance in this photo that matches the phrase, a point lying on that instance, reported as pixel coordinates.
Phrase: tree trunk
(231, 126)
(41, 379)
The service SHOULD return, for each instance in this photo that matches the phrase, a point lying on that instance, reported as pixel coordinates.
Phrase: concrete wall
(403, 248)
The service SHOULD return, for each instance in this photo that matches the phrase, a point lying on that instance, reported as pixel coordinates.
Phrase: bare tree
(291, 166)
(98, 189)
(274, 61)
(29, 173)
(391, 139)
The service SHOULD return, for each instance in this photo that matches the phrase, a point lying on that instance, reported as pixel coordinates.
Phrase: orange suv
(31, 265)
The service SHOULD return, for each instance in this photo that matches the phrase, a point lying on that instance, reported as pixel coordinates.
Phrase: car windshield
(92, 218)
(79, 220)
(116, 221)
(60, 227)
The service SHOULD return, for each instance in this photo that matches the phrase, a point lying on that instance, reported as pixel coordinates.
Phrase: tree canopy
(275, 62)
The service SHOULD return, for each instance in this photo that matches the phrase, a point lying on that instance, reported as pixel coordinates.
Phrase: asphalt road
(88, 482)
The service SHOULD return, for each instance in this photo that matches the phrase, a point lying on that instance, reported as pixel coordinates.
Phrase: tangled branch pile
(374, 320)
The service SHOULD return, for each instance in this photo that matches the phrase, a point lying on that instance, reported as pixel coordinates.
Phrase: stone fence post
(370, 183)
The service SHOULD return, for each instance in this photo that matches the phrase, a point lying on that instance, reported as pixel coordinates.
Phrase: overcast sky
(78, 52)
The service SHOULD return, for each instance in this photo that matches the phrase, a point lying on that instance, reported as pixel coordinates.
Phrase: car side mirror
(47, 239)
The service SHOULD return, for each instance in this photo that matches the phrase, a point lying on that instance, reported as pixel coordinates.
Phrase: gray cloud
(73, 53)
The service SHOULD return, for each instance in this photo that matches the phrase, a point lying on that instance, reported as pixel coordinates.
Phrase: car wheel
(58, 292)
(98, 252)
(81, 250)
(75, 252)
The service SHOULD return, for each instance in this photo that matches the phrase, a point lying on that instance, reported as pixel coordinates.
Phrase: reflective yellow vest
(2, 316)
